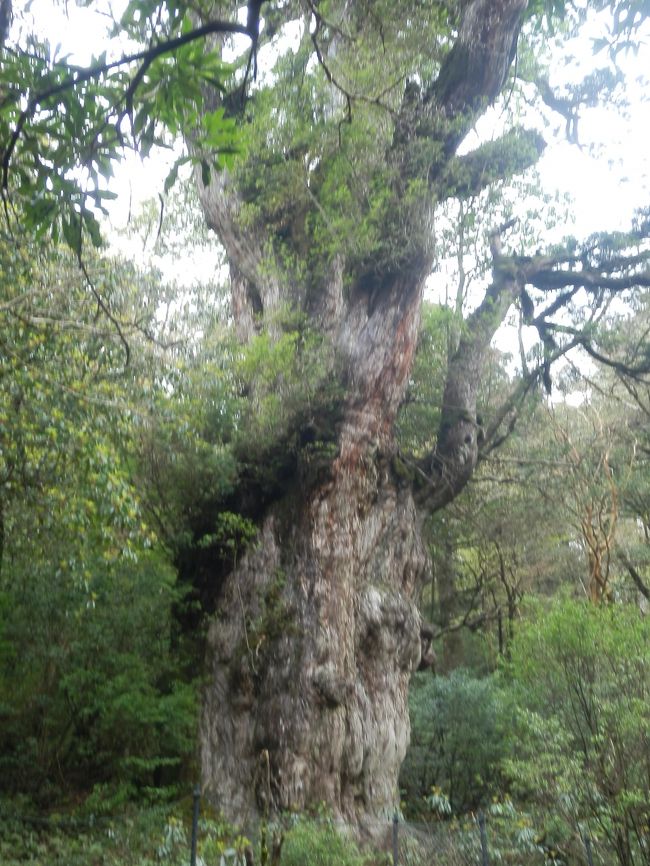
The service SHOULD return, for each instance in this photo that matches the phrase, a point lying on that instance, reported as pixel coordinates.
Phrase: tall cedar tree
(352, 143)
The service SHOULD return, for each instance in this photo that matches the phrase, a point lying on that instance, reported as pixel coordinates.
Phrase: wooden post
(195, 823)
(395, 839)
(484, 845)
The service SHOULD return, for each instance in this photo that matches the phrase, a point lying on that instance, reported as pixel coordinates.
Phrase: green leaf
(71, 231)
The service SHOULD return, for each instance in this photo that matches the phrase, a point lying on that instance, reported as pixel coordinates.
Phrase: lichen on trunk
(317, 630)
(313, 649)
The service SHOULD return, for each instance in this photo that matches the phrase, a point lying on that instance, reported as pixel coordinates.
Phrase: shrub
(581, 680)
(311, 843)
(457, 741)
(91, 691)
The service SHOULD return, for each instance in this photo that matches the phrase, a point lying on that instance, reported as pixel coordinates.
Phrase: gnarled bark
(312, 652)
(317, 630)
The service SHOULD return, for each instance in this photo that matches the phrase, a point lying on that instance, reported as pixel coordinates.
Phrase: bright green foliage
(301, 150)
(154, 836)
(457, 742)
(63, 419)
(92, 686)
(91, 691)
(217, 842)
(287, 380)
(228, 428)
(419, 418)
(185, 458)
(160, 836)
(93, 679)
(511, 838)
(229, 415)
(581, 676)
(56, 117)
(319, 843)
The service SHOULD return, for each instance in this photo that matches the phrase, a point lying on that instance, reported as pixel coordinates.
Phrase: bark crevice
(316, 710)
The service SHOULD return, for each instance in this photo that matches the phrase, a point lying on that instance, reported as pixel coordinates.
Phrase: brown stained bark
(595, 506)
(325, 700)
(598, 525)
(317, 631)
(308, 694)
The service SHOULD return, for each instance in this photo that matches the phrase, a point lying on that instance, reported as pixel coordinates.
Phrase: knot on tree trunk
(389, 628)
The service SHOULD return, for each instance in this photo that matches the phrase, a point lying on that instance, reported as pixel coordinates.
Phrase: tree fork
(318, 631)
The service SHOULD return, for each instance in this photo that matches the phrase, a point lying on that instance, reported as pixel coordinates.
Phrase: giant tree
(353, 141)
(328, 220)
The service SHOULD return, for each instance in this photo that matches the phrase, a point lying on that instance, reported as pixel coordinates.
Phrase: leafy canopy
(64, 126)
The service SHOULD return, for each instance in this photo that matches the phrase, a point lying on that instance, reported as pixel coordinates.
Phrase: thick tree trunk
(317, 631)
(312, 653)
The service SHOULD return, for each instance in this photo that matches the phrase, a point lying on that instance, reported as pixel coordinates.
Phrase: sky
(607, 177)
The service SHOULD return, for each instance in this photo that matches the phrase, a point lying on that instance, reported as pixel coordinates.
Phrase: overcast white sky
(606, 187)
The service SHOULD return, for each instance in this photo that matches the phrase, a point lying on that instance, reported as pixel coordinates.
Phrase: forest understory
(324, 474)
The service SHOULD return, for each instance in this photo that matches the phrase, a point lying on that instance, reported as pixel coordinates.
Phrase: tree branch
(549, 279)
(509, 155)
(147, 56)
(458, 448)
(634, 574)
(476, 68)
